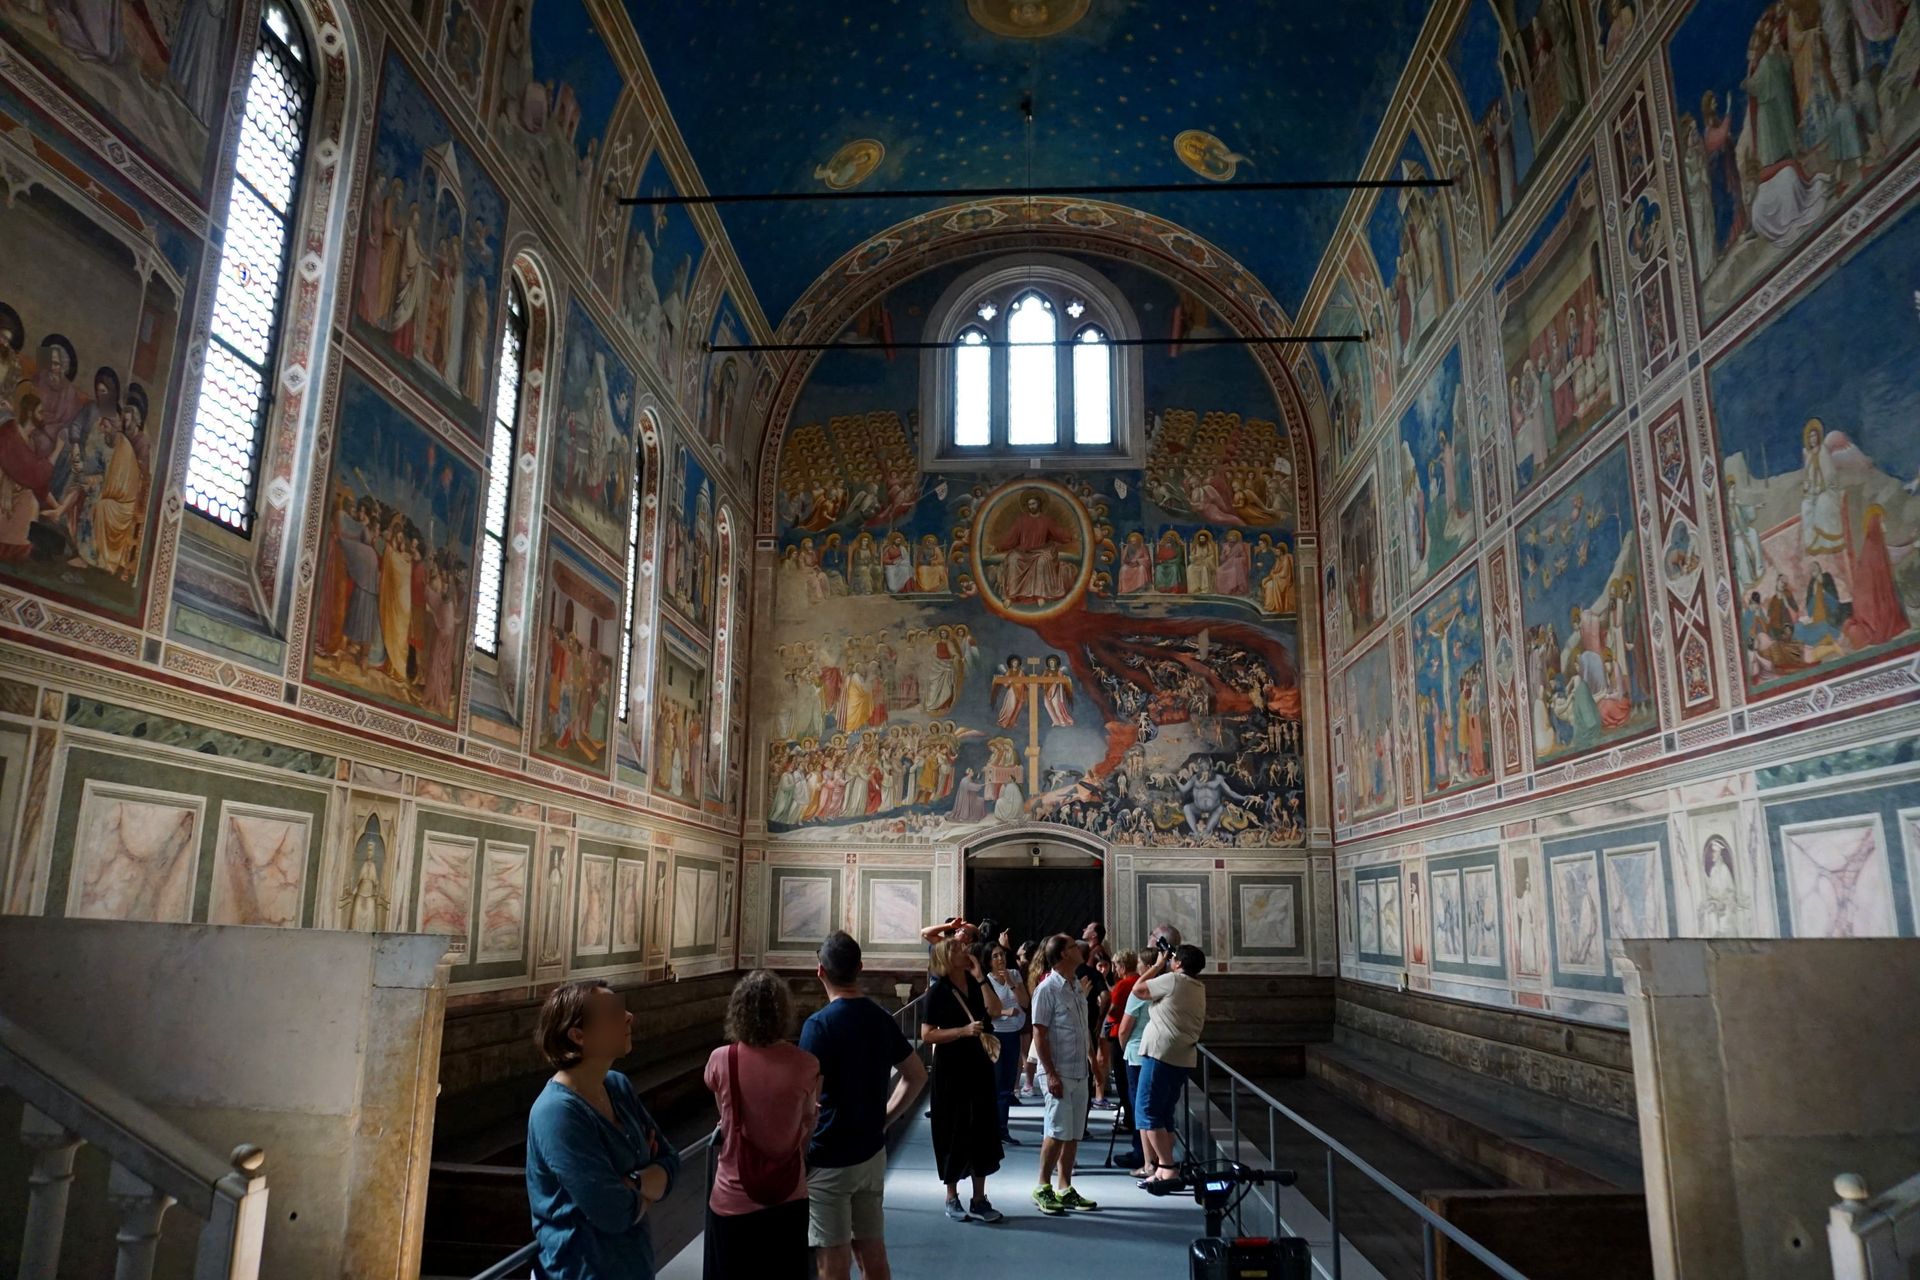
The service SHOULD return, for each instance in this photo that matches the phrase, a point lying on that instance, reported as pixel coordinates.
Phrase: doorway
(1036, 888)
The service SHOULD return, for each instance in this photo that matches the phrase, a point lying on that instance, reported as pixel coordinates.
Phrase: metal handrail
(230, 1194)
(1430, 1221)
(510, 1265)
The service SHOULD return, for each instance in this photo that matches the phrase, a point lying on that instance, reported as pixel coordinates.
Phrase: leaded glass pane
(1092, 388)
(972, 387)
(506, 411)
(1032, 370)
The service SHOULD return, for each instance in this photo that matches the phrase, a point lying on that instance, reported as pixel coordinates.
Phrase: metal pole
(1251, 340)
(1426, 1250)
(1333, 1212)
(997, 193)
(1273, 1162)
(1233, 1112)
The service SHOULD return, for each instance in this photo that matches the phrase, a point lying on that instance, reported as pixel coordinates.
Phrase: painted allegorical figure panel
(158, 71)
(390, 608)
(1113, 651)
(1558, 346)
(554, 93)
(664, 250)
(1434, 500)
(1786, 112)
(1518, 63)
(1372, 774)
(87, 374)
(582, 635)
(1450, 689)
(594, 457)
(1589, 681)
(1822, 466)
(1412, 237)
(428, 270)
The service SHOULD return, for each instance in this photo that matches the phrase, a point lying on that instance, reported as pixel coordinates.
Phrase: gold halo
(1028, 19)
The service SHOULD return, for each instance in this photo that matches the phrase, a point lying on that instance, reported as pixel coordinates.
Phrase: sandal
(1141, 1174)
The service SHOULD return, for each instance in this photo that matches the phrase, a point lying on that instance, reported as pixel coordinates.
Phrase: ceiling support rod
(991, 193)
(723, 347)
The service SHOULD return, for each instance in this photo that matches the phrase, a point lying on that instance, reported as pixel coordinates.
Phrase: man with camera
(1169, 1048)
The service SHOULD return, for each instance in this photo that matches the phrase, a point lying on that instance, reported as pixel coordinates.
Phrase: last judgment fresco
(1114, 651)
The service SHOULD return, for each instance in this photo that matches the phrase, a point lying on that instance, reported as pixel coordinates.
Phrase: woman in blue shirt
(596, 1161)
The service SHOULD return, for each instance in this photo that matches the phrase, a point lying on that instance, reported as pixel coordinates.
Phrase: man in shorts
(858, 1046)
(1060, 1040)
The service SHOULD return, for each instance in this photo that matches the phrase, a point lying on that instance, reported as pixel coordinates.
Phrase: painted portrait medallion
(1206, 155)
(852, 164)
(1028, 19)
(1030, 550)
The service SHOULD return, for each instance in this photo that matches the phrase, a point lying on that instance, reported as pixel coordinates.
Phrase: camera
(1165, 946)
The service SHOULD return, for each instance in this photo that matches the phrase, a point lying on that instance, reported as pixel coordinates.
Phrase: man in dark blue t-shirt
(858, 1046)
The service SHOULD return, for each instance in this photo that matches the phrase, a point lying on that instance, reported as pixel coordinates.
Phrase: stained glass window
(236, 382)
(506, 436)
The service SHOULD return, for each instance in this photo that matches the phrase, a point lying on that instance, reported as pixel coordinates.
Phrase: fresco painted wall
(962, 649)
(296, 730)
(1646, 655)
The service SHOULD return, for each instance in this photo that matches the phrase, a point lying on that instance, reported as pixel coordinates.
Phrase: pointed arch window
(249, 304)
(630, 603)
(507, 408)
(1030, 368)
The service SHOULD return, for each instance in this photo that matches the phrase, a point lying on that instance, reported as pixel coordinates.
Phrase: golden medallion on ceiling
(1028, 19)
(852, 164)
(1206, 155)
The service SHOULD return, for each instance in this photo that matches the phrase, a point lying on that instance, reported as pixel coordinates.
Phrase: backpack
(767, 1178)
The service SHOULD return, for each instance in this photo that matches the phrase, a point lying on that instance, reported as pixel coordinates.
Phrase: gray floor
(1131, 1235)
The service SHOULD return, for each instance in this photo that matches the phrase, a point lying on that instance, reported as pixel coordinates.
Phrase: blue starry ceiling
(780, 95)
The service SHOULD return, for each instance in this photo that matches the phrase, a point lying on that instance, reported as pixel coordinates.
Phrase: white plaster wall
(320, 1047)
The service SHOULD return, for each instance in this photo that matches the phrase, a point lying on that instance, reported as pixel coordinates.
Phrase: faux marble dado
(1569, 1079)
(166, 731)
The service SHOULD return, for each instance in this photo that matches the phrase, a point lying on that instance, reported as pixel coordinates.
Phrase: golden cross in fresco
(1029, 686)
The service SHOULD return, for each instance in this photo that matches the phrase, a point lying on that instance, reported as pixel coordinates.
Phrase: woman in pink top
(769, 1095)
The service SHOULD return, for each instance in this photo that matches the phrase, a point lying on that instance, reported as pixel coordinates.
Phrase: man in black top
(1094, 981)
(859, 1047)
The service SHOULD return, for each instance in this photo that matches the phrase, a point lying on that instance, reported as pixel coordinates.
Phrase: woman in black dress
(966, 1113)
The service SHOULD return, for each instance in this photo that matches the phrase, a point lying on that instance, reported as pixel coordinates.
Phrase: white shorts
(1065, 1117)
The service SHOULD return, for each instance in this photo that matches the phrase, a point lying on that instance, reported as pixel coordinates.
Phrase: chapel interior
(1424, 498)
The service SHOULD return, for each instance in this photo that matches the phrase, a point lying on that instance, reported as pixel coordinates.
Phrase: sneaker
(1105, 1104)
(954, 1210)
(1007, 1139)
(982, 1209)
(1047, 1202)
(1072, 1199)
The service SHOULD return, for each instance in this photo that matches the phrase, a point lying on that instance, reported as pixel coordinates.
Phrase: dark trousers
(1006, 1072)
(768, 1242)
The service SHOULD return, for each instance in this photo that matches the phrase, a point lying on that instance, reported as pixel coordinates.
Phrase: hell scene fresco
(1822, 468)
(429, 265)
(1115, 651)
(87, 377)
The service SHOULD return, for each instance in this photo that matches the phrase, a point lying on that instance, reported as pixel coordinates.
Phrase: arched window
(630, 595)
(237, 376)
(1028, 367)
(505, 448)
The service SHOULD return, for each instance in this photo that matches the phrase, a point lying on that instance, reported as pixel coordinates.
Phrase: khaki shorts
(1064, 1118)
(843, 1204)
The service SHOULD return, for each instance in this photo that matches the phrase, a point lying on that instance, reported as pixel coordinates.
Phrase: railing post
(1426, 1250)
(141, 1208)
(53, 1149)
(1273, 1162)
(1333, 1211)
(1233, 1112)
